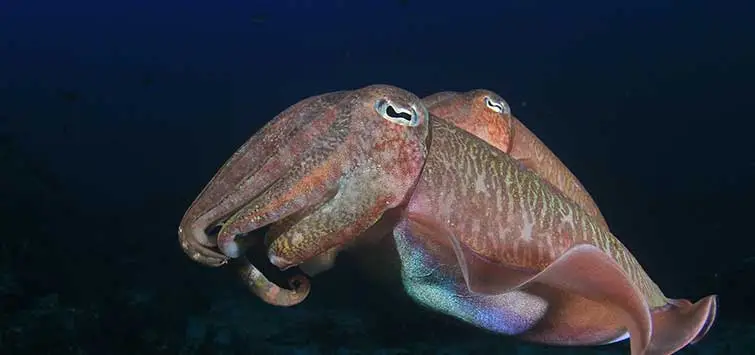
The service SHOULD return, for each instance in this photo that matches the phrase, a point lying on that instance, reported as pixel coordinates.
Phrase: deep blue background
(113, 115)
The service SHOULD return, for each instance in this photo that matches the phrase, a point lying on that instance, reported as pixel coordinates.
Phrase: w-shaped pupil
(393, 113)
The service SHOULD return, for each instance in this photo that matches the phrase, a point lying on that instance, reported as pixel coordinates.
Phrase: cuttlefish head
(480, 112)
(341, 159)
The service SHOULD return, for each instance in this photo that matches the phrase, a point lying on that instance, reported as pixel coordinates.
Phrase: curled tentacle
(268, 291)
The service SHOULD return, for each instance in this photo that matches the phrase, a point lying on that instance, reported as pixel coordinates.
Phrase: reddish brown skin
(273, 176)
(487, 116)
(341, 174)
(523, 225)
(469, 111)
(509, 228)
(264, 158)
(270, 292)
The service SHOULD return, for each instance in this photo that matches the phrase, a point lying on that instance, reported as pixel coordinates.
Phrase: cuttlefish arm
(296, 174)
(340, 181)
(263, 159)
(268, 291)
(529, 261)
(486, 115)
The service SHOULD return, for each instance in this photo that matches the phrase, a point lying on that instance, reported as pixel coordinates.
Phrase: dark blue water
(113, 116)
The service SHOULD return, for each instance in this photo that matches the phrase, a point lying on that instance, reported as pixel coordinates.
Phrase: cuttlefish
(488, 116)
(478, 236)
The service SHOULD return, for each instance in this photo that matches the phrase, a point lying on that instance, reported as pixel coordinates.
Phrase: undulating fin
(680, 323)
(480, 275)
(583, 270)
(574, 320)
(570, 319)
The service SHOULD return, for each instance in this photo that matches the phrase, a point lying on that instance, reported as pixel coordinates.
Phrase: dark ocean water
(114, 115)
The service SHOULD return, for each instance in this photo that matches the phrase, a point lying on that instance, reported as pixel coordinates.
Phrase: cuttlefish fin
(681, 322)
(583, 270)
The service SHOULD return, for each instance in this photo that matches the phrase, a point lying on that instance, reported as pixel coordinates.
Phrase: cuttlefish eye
(497, 106)
(405, 116)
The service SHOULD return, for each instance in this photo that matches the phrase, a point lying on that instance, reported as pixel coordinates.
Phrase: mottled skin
(269, 180)
(478, 237)
(263, 159)
(270, 292)
(488, 116)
